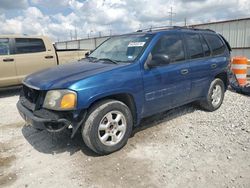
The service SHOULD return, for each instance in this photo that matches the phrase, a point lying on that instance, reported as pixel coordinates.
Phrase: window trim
(15, 46)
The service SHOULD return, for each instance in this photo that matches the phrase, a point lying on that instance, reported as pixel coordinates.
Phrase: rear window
(215, 43)
(194, 45)
(28, 45)
(4, 46)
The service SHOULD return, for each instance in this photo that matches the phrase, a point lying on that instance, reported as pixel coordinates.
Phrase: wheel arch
(126, 98)
(223, 76)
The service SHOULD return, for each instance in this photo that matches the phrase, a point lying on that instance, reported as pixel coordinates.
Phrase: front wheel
(107, 127)
(215, 96)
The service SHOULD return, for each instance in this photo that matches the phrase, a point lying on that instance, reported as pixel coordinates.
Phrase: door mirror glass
(158, 60)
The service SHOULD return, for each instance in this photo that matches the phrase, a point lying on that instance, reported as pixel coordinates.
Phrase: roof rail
(194, 28)
(156, 28)
(171, 27)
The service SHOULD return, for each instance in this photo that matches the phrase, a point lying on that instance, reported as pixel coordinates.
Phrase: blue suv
(125, 79)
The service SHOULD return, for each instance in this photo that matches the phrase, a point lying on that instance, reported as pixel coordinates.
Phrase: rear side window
(194, 46)
(28, 45)
(171, 45)
(215, 43)
(4, 46)
(205, 47)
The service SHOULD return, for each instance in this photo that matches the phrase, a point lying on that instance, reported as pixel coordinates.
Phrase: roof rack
(156, 28)
(198, 29)
(171, 27)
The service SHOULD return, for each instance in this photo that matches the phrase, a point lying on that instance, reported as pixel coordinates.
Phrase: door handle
(49, 57)
(8, 60)
(213, 66)
(184, 71)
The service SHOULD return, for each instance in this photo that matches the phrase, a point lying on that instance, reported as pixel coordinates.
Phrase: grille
(30, 94)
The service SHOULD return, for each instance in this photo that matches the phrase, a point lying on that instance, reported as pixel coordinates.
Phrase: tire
(107, 127)
(214, 96)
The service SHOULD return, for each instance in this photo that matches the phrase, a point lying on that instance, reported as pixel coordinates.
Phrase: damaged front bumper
(50, 120)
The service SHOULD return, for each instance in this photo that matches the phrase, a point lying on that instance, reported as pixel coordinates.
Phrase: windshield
(122, 48)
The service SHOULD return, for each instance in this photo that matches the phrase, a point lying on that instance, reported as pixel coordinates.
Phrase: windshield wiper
(107, 59)
(92, 58)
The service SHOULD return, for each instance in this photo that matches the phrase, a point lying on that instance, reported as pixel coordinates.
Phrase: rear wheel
(215, 96)
(107, 127)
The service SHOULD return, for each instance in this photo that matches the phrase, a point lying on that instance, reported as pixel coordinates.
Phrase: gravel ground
(183, 147)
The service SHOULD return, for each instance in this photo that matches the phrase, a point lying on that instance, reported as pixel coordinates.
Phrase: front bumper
(50, 124)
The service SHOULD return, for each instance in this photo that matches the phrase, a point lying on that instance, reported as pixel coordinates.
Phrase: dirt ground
(183, 147)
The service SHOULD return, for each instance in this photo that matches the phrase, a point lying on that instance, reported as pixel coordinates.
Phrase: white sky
(57, 18)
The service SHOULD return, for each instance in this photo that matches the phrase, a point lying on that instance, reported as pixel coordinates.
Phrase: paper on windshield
(136, 44)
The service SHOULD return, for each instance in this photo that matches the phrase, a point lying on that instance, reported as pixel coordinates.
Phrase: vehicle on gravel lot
(125, 79)
(23, 55)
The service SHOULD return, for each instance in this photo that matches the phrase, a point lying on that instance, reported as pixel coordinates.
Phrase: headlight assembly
(60, 100)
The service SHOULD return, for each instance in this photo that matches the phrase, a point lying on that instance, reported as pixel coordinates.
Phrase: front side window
(194, 46)
(215, 43)
(122, 48)
(4, 46)
(28, 45)
(170, 45)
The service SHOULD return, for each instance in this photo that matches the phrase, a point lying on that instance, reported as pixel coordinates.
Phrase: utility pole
(75, 34)
(185, 21)
(171, 13)
(70, 35)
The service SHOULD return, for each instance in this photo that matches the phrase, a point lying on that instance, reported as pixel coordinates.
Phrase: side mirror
(87, 54)
(158, 60)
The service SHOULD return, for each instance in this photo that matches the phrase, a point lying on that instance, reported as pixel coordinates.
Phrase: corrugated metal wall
(237, 33)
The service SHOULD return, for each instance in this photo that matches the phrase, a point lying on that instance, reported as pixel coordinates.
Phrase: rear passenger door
(206, 58)
(31, 56)
(220, 54)
(200, 64)
(8, 74)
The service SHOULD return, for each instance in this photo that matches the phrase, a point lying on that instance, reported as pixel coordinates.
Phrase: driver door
(169, 85)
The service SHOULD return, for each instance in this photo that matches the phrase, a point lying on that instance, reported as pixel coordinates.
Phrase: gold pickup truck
(23, 55)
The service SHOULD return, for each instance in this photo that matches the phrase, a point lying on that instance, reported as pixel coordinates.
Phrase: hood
(63, 76)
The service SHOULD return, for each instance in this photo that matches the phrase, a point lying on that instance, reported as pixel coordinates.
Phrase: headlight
(60, 100)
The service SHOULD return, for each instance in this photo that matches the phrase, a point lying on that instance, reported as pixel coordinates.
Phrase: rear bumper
(51, 125)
